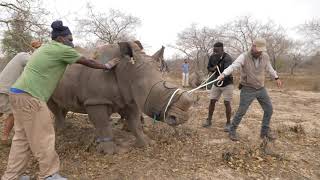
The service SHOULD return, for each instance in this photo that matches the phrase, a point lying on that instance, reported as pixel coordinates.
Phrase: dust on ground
(193, 152)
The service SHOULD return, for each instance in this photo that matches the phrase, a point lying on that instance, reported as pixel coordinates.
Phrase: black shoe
(207, 123)
(233, 135)
(268, 135)
(227, 127)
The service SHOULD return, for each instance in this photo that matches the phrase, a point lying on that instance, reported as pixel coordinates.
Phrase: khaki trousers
(34, 133)
(185, 79)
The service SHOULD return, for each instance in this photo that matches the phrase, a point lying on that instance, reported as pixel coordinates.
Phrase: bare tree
(29, 12)
(20, 21)
(278, 43)
(108, 27)
(311, 32)
(298, 51)
(240, 33)
(197, 43)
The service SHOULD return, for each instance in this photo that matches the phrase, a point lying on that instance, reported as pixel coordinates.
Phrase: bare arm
(96, 65)
(212, 69)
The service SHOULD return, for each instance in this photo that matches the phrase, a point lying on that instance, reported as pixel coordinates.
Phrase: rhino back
(82, 86)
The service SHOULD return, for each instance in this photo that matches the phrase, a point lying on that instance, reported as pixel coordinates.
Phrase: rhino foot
(62, 127)
(144, 142)
(107, 147)
(125, 127)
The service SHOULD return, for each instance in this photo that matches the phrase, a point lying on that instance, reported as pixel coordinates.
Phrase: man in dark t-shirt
(220, 59)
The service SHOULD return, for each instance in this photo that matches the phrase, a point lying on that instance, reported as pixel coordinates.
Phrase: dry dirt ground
(193, 152)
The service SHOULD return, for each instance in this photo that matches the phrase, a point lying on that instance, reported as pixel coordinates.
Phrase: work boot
(55, 176)
(207, 123)
(266, 133)
(24, 178)
(233, 134)
(227, 127)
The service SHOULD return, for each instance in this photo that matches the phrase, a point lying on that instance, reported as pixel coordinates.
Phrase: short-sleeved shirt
(223, 62)
(45, 69)
(185, 68)
(12, 71)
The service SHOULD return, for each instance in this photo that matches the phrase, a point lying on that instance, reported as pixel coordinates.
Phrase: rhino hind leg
(59, 114)
(99, 115)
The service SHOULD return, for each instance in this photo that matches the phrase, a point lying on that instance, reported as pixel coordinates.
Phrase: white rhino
(133, 87)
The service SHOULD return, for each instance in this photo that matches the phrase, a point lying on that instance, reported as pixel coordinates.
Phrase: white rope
(208, 78)
(201, 86)
(220, 83)
(192, 90)
(165, 110)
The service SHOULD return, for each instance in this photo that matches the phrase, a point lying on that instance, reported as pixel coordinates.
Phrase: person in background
(8, 76)
(185, 74)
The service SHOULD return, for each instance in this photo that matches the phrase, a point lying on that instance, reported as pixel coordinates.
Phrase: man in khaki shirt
(8, 76)
(253, 65)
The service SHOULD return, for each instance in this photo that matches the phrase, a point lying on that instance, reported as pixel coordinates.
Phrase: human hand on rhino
(97, 65)
(105, 93)
(113, 62)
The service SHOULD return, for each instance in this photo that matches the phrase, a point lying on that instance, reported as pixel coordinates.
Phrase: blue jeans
(247, 95)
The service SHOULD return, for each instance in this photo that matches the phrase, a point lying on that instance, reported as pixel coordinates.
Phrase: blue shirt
(185, 68)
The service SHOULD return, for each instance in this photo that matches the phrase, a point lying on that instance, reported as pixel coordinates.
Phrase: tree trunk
(292, 69)
(274, 62)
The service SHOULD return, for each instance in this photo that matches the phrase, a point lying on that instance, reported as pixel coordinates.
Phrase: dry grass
(193, 152)
(298, 81)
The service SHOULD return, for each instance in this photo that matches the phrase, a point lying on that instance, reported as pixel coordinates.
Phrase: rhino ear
(158, 56)
(125, 49)
(139, 44)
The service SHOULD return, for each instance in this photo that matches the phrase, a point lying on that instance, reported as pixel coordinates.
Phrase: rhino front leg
(99, 115)
(135, 126)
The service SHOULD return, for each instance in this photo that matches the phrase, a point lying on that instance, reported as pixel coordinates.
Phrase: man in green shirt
(34, 129)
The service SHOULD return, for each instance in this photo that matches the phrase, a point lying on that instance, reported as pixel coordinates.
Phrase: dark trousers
(247, 95)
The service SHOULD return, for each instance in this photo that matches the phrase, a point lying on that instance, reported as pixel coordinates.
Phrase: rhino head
(140, 82)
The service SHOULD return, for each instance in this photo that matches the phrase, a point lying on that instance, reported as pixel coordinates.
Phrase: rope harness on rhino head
(155, 105)
(192, 90)
(156, 102)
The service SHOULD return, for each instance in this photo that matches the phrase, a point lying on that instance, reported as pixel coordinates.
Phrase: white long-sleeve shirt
(12, 71)
(239, 62)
